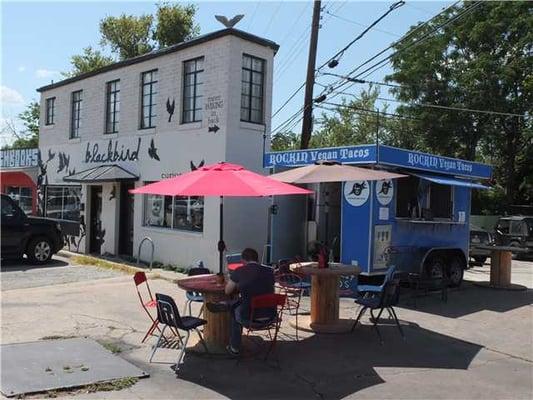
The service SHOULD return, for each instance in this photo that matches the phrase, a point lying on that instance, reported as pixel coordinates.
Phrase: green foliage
(483, 60)
(88, 61)
(29, 137)
(127, 35)
(285, 141)
(175, 24)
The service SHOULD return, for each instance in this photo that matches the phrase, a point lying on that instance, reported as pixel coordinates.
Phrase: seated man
(252, 279)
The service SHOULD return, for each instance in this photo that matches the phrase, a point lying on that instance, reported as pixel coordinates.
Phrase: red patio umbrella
(224, 180)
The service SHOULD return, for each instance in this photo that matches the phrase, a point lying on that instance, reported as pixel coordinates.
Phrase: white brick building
(149, 118)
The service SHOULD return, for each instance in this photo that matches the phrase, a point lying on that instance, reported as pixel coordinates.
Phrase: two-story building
(148, 118)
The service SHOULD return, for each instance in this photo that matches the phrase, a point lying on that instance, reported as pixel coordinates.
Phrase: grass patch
(98, 262)
(112, 347)
(57, 337)
(117, 384)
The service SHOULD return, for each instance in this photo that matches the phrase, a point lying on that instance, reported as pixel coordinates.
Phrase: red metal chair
(148, 302)
(267, 301)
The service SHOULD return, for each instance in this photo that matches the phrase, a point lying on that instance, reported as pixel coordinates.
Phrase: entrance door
(97, 233)
(125, 240)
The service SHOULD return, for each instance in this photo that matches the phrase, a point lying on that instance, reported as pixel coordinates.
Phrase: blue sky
(38, 39)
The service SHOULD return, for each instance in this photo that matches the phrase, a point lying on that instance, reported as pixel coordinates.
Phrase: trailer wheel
(455, 271)
(434, 267)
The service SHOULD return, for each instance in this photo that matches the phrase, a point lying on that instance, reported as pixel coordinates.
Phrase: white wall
(178, 145)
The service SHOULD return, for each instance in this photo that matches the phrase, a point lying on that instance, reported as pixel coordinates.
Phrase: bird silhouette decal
(50, 155)
(200, 165)
(229, 23)
(170, 108)
(357, 188)
(113, 193)
(386, 187)
(152, 151)
(64, 162)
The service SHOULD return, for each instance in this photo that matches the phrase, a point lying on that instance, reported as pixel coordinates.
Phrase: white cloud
(21, 68)
(45, 73)
(10, 96)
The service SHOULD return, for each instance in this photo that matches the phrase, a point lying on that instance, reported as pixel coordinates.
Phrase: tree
(482, 60)
(88, 61)
(29, 137)
(175, 24)
(127, 35)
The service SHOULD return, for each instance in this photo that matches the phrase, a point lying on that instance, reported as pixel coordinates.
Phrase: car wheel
(455, 271)
(480, 259)
(40, 250)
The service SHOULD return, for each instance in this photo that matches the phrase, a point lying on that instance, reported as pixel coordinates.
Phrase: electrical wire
(363, 25)
(272, 17)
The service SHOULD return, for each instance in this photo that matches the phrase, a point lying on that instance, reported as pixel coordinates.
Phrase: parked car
(516, 231)
(479, 237)
(38, 238)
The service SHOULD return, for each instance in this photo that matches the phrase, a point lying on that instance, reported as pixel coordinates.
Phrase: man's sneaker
(232, 351)
(217, 307)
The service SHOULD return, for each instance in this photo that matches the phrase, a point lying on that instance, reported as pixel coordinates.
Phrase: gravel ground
(22, 274)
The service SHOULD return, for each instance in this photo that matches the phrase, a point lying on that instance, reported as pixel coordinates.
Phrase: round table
(324, 316)
(216, 331)
(500, 268)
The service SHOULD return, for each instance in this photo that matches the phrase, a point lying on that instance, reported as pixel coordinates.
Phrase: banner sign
(365, 154)
(19, 158)
(430, 162)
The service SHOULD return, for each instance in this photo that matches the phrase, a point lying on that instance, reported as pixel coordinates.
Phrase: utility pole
(307, 123)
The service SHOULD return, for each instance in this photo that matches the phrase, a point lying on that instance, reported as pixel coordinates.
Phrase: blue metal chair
(195, 296)
(378, 288)
(387, 298)
(169, 316)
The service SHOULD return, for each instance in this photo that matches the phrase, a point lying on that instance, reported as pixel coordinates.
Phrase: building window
(50, 110)
(63, 202)
(75, 119)
(178, 212)
(148, 94)
(22, 196)
(193, 90)
(112, 106)
(253, 71)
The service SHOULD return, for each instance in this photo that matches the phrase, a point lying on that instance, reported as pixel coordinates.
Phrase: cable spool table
(216, 331)
(324, 316)
(500, 268)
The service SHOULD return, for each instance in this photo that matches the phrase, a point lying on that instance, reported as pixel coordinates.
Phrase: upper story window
(112, 106)
(253, 72)
(193, 90)
(75, 115)
(148, 95)
(50, 110)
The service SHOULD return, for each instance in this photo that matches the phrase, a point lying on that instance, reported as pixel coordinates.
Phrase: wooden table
(500, 268)
(324, 316)
(216, 331)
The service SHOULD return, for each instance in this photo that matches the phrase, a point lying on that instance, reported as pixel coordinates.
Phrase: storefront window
(22, 196)
(63, 202)
(418, 198)
(180, 213)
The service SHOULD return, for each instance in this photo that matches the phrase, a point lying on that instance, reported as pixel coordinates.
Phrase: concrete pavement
(478, 345)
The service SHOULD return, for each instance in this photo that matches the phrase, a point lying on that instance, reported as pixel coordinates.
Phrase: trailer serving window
(419, 198)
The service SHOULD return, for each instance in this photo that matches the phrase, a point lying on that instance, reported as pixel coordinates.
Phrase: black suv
(516, 231)
(38, 238)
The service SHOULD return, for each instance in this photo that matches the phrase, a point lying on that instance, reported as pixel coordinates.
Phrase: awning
(451, 181)
(102, 173)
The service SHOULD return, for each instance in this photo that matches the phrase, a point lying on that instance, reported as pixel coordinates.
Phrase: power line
(369, 110)
(362, 25)
(273, 16)
(341, 52)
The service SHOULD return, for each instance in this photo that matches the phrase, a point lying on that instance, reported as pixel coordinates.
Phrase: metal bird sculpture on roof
(229, 23)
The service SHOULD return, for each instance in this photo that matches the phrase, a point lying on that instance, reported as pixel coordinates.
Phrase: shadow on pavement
(328, 366)
(468, 299)
(11, 265)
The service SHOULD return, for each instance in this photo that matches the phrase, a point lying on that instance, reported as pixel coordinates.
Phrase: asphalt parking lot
(477, 345)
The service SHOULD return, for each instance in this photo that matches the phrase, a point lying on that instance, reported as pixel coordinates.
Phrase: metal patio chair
(387, 298)
(168, 315)
(195, 296)
(292, 286)
(147, 301)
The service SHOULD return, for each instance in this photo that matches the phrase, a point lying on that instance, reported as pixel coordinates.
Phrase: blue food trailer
(420, 222)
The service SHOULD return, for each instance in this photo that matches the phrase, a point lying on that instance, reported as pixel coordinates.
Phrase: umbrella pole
(221, 244)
